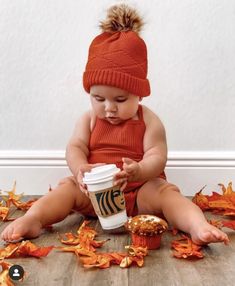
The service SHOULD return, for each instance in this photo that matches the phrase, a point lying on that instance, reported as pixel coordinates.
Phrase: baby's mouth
(113, 119)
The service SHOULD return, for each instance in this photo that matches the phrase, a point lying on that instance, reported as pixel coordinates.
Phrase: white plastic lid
(100, 173)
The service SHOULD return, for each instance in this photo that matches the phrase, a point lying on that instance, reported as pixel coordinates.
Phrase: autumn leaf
(24, 249)
(84, 245)
(223, 204)
(84, 238)
(201, 200)
(4, 275)
(216, 223)
(105, 260)
(27, 248)
(8, 250)
(15, 199)
(4, 211)
(12, 196)
(223, 223)
(70, 239)
(228, 223)
(101, 260)
(185, 248)
(24, 206)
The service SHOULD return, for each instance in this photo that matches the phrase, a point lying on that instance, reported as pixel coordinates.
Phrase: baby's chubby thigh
(82, 203)
(150, 195)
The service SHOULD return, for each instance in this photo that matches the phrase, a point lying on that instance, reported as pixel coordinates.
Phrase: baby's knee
(68, 181)
(169, 187)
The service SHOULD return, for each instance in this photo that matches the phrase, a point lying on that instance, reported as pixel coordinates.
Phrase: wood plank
(59, 268)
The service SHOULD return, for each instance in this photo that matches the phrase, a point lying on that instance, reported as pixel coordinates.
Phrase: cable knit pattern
(120, 60)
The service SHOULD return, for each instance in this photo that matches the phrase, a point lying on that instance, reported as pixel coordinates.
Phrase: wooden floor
(59, 268)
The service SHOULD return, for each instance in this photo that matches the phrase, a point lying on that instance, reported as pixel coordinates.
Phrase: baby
(118, 129)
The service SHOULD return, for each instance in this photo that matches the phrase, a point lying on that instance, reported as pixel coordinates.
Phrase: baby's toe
(223, 237)
(16, 237)
(206, 237)
(4, 235)
(9, 233)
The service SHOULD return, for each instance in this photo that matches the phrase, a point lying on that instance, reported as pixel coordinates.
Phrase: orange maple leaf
(27, 248)
(24, 249)
(184, 247)
(223, 204)
(201, 200)
(4, 275)
(15, 199)
(84, 238)
(84, 246)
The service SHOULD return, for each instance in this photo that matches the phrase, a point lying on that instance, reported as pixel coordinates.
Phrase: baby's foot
(207, 233)
(25, 226)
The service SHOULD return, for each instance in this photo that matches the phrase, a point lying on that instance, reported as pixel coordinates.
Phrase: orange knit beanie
(118, 56)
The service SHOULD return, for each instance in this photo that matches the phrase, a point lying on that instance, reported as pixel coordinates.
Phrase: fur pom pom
(121, 18)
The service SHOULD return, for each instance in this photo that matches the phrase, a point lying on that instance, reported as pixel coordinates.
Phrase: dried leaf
(100, 260)
(12, 196)
(126, 262)
(84, 238)
(4, 275)
(4, 211)
(9, 250)
(15, 199)
(27, 248)
(216, 223)
(71, 239)
(201, 200)
(84, 246)
(24, 249)
(221, 204)
(185, 248)
(24, 206)
(229, 224)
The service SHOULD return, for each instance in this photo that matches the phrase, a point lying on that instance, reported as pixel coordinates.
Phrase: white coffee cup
(108, 201)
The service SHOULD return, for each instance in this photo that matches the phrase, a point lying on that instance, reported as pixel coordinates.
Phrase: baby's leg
(49, 209)
(158, 196)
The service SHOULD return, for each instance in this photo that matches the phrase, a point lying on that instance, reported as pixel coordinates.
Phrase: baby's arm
(77, 149)
(155, 147)
(155, 153)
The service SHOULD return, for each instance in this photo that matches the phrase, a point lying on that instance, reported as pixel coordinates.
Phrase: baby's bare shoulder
(86, 120)
(150, 117)
(155, 135)
(82, 126)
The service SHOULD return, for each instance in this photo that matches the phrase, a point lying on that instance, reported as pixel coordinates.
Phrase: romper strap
(140, 112)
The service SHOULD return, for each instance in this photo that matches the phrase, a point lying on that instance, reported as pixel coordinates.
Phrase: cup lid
(100, 173)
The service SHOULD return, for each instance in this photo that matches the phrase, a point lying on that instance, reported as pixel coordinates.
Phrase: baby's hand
(120, 179)
(83, 169)
(132, 169)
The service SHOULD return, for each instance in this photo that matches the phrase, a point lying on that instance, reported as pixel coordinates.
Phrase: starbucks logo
(110, 201)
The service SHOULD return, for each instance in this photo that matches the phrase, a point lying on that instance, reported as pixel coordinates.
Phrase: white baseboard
(35, 171)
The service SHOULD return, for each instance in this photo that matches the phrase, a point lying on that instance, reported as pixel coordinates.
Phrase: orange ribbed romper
(110, 143)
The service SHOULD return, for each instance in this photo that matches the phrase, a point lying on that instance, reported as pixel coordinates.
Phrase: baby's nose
(110, 107)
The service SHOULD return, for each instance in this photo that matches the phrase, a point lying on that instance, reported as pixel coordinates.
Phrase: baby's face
(113, 104)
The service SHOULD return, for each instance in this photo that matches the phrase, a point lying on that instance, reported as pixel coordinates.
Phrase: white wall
(43, 50)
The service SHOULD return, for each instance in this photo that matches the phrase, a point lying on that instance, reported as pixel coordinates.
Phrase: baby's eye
(121, 99)
(98, 98)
